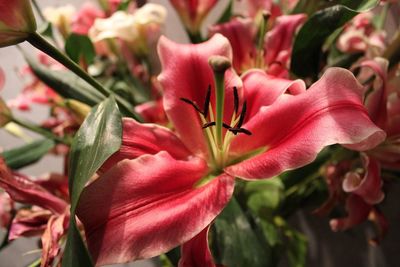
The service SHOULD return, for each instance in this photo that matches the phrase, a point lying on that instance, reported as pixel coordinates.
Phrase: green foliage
(307, 52)
(65, 83)
(236, 243)
(98, 138)
(80, 47)
(25, 155)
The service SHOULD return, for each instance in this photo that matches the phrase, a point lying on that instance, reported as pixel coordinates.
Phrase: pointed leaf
(307, 48)
(27, 154)
(238, 244)
(97, 139)
(79, 46)
(65, 83)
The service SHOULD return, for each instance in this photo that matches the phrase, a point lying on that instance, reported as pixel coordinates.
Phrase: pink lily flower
(193, 12)
(49, 215)
(277, 47)
(6, 208)
(164, 188)
(17, 22)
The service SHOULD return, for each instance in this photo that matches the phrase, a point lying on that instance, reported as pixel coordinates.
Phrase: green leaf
(307, 49)
(296, 248)
(264, 196)
(124, 5)
(27, 154)
(98, 138)
(46, 29)
(227, 15)
(80, 46)
(236, 243)
(65, 83)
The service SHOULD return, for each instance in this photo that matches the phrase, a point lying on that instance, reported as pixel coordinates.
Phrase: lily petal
(22, 189)
(139, 139)
(240, 33)
(136, 197)
(187, 74)
(196, 253)
(262, 89)
(357, 211)
(29, 223)
(369, 187)
(278, 43)
(295, 128)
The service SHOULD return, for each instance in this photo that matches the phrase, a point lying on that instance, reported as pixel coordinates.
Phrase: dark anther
(236, 130)
(207, 102)
(208, 124)
(235, 99)
(190, 102)
(242, 115)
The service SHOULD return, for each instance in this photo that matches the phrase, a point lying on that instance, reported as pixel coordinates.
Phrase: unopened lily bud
(17, 22)
(219, 63)
(79, 109)
(5, 113)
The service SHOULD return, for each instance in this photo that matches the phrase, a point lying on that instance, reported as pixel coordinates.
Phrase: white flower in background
(139, 29)
(60, 17)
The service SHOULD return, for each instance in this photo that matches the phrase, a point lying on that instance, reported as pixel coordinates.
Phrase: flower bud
(17, 22)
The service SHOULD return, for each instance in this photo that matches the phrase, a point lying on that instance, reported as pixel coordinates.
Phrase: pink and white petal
(147, 206)
(6, 209)
(280, 38)
(261, 89)
(376, 101)
(295, 129)
(196, 253)
(369, 187)
(56, 228)
(22, 189)
(28, 223)
(357, 212)
(140, 138)
(187, 74)
(240, 33)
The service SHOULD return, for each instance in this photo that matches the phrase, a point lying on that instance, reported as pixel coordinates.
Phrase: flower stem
(42, 44)
(37, 129)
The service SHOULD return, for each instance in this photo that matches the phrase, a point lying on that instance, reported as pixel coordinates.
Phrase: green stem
(39, 10)
(34, 128)
(303, 183)
(42, 44)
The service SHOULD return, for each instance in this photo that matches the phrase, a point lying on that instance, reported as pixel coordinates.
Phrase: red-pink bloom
(164, 188)
(84, 19)
(240, 33)
(278, 43)
(6, 207)
(360, 36)
(50, 212)
(193, 12)
(16, 21)
(277, 47)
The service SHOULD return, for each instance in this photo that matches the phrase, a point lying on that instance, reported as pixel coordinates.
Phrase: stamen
(236, 130)
(242, 115)
(208, 124)
(207, 102)
(235, 99)
(190, 102)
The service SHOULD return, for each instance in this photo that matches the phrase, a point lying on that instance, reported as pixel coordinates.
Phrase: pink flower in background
(48, 215)
(278, 43)
(193, 12)
(360, 36)
(277, 46)
(164, 188)
(84, 19)
(16, 21)
(241, 33)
